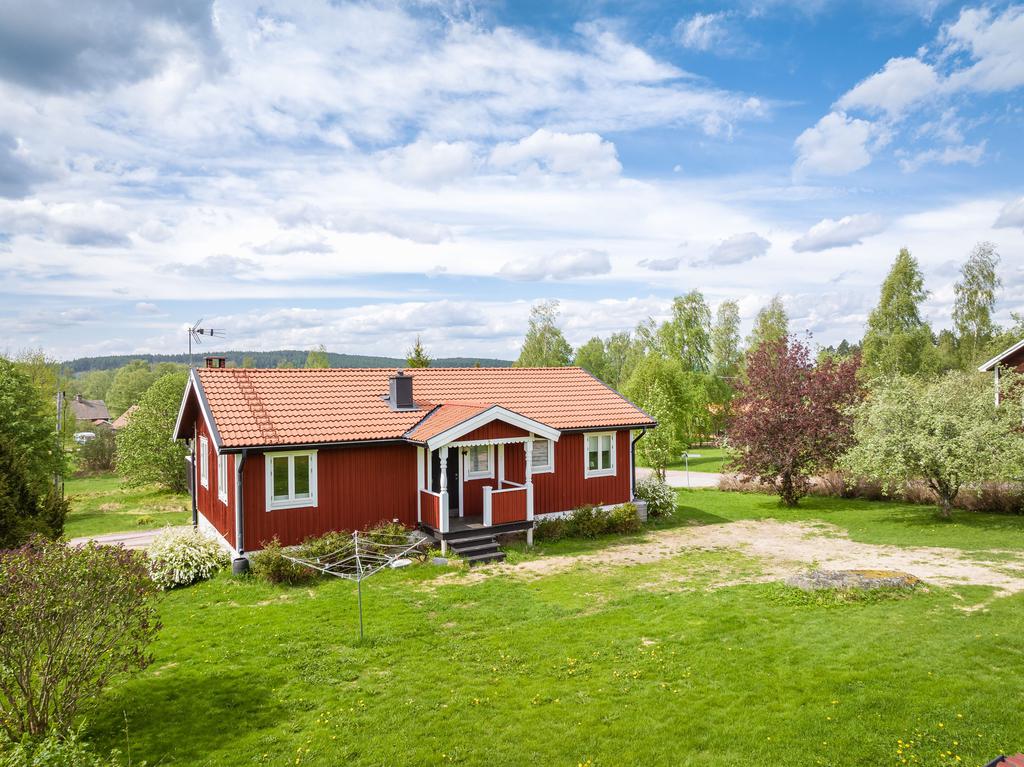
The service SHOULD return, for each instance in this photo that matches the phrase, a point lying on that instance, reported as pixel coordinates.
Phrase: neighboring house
(1010, 359)
(292, 453)
(92, 410)
(122, 420)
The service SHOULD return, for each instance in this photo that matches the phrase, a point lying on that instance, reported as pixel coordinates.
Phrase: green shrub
(322, 545)
(98, 454)
(55, 751)
(71, 617)
(587, 521)
(623, 519)
(145, 519)
(271, 565)
(183, 557)
(660, 497)
(554, 529)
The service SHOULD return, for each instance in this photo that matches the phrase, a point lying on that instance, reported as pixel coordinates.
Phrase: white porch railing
(510, 504)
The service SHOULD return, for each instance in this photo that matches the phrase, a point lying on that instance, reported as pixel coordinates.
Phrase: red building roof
(252, 408)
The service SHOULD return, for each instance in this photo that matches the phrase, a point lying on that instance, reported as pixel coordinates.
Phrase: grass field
(712, 459)
(675, 662)
(100, 505)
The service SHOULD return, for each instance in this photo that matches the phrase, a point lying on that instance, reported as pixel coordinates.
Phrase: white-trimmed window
(291, 479)
(599, 454)
(480, 462)
(222, 476)
(204, 462)
(543, 457)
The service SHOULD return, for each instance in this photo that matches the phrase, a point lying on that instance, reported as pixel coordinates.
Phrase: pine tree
(417, 356)
(897, 340)
(975, 303)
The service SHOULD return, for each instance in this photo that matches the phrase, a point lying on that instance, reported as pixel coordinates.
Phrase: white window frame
(222, 477)
(204, 462)
(489, 473)
(548, 467)
(291, 502)
(607, 471)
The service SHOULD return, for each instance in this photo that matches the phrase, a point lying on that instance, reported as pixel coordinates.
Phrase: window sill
(479, 475)
(300, 503)
(599, 473)
(543, 470)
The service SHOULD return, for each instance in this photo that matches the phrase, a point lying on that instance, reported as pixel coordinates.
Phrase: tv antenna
(196, 334)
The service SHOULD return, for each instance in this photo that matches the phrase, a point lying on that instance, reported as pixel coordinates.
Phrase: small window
(291, 480)
(543, 459)
(204, 462)
(478, 462)
(600, 457)
(222, 476)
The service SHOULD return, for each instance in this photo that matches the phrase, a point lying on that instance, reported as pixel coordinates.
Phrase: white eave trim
(493, 413)
(1000, 357)
(194, 385)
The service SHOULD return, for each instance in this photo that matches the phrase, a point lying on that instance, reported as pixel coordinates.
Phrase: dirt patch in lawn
(785, 547)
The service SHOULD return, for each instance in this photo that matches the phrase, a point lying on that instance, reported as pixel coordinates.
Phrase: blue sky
(354, 174)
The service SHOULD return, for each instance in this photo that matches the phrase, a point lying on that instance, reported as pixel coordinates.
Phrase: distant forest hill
(282, 358)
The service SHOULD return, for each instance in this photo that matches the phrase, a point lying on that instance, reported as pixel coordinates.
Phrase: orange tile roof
(254, 407)
(443, 417)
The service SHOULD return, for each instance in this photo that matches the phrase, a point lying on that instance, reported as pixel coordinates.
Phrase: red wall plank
(219, 514)
(494, 430)
(508, 506)
(566, 488)
(358, 487)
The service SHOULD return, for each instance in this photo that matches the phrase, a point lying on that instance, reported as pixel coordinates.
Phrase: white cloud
(837, 145)
(995, 43)
(583, 154)
(145, 307)
(1012, 215)
(564, 265)
(219, 266)
(848, 230)
(737, 249)
(901, 84)
(702, 31)
(293, 242)
(949, 155)
(427, 162)
(660, 264)
(98, 224)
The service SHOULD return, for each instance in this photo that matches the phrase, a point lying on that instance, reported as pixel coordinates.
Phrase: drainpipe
(241, 564)
(632, 462)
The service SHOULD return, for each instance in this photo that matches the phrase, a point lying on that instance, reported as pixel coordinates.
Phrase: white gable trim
(193, 385)
(1000, 357)
(493, 413)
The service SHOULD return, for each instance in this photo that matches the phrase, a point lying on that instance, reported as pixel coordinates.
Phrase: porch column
(528, 447)
(420, 482)
(444, 491)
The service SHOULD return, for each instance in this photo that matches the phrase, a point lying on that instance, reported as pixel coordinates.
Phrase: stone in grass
(439, 561)
(815, 580)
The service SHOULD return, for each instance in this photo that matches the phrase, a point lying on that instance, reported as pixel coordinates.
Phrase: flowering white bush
(181, 557)
(661, 499)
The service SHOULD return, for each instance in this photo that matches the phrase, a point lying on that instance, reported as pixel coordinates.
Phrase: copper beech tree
(791, 416)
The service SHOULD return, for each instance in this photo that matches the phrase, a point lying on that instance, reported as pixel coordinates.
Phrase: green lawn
(100, 505)
(640, 664)
(712, 459)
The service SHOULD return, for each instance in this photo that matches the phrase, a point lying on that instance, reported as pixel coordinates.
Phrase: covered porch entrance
(465, 487)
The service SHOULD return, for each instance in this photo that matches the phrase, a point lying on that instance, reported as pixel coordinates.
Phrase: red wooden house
(455, 451)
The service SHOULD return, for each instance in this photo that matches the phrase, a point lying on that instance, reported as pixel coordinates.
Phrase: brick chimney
(216, 362)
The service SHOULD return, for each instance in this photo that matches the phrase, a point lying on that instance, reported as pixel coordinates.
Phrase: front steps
(477, 549)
